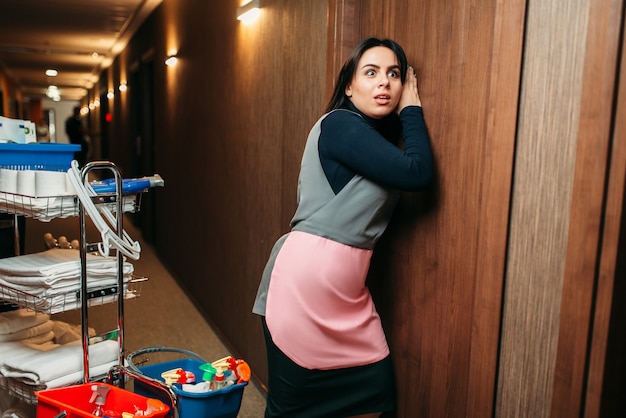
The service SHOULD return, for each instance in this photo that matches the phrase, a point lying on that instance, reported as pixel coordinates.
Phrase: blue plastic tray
(37, 156)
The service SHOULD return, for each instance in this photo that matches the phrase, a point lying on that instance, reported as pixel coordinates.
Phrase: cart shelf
(48, 208)
(71, 300)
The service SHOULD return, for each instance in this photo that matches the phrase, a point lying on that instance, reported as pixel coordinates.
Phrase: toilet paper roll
(50, 183)
(69, 187)
(26, 182)
(8, 180)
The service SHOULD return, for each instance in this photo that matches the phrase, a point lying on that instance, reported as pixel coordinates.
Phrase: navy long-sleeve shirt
(352, 143)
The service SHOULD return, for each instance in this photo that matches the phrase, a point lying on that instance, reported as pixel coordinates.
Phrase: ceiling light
(52, 73)
(249, 11)
(53, 93)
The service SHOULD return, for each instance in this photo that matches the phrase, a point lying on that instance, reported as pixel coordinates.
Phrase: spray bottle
(99, 397)
(219, 379)
(209, 374)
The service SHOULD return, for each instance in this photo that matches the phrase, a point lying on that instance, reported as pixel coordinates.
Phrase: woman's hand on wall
(410, 93)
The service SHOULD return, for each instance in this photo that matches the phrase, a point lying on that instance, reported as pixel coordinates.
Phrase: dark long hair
(339, 100)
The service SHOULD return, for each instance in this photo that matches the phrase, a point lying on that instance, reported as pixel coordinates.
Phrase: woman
(327, 352)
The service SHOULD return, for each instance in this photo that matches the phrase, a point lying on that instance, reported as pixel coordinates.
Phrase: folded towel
(77, 377)
(66, 333)
(46, 337)
(67, 285)
(36, 367)
(19, 319)
(46, 346)
(46, 268)
(31, 332)
(20, 390)
(61, 288)
(50, 281)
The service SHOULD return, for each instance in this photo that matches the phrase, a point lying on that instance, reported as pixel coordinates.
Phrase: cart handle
(117, 370)
(158, 349)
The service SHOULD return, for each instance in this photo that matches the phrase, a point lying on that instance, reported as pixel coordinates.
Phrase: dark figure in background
(76, 133)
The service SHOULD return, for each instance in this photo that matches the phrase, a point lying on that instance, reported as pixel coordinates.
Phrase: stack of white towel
(39, 353)
(50, 280)
(26, 326)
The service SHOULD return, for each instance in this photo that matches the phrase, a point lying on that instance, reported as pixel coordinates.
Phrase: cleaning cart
(52, 161)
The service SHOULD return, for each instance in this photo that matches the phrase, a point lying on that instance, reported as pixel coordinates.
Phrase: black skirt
(297, 392)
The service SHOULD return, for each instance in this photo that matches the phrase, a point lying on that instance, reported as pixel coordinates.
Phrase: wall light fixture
(249, 11)
(123, 86)
(171, 60)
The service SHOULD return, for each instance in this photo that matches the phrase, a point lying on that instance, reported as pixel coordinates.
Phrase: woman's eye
(370, 72)
(394, 74)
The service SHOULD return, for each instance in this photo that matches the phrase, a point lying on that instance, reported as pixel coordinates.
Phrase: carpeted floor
(161, 316)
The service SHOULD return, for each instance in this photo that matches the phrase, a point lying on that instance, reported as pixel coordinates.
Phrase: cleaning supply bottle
(99, 397)
(208, 374)
(219, 379)
(231, 378)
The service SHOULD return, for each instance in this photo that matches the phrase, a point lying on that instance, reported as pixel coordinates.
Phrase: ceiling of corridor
(77, 38)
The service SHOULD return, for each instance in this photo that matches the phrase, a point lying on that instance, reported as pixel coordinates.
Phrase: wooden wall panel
(587, 206)
(438, 273)
(344, 32)
(609, 275)
(544, 173)
(231, 127)
(564, 140)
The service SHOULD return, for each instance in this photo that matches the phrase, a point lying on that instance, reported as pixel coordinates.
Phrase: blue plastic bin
(37, 156)
(222, 403)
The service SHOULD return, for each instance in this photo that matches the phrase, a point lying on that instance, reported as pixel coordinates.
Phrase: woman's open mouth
(382, 99)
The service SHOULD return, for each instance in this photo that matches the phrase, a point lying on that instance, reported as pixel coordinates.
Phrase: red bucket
(75, 402)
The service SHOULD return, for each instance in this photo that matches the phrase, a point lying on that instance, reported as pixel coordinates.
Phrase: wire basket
(70, 300)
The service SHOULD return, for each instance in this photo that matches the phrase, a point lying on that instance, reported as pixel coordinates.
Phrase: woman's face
(376, 86)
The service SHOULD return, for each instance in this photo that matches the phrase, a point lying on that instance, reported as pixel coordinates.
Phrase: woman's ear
(348, 91)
